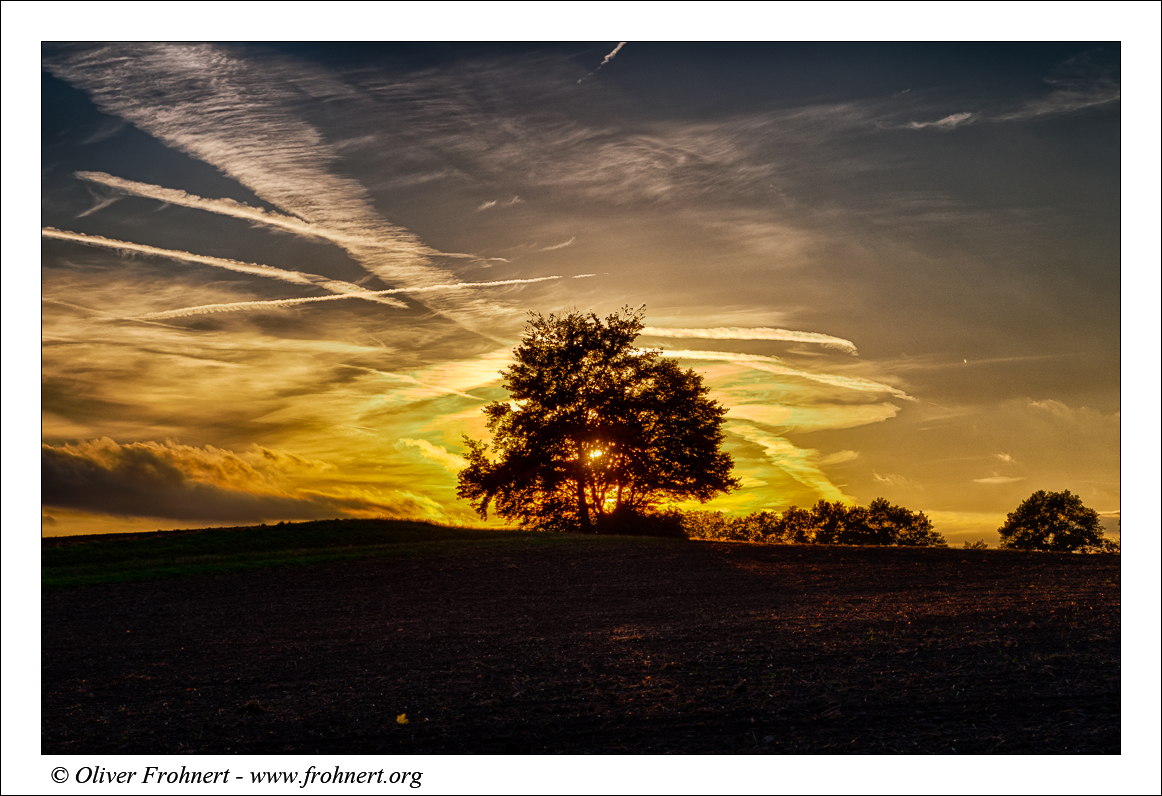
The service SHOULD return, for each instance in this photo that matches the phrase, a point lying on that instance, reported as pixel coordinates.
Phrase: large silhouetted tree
(596, 431)
(1053, 521)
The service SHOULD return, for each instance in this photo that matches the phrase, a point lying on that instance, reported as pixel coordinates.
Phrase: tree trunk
(583, 507)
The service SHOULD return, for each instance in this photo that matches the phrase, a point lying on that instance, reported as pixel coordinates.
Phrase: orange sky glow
(279, 281)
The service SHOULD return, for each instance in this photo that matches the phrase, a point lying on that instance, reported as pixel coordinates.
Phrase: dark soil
(607, 646)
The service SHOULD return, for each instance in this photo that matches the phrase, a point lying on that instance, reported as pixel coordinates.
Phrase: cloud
(101, 204)
(496, 203)
(894, 480)
(235, 209)
(284, 460)
(607, 59)
(426, 390)
(754, 333)
(947, 123)
(227, 207)
(437, 453)
(254, 269)
(240, 306)
(802, 464)
(467, 374)
(997, 479)
(182, 482)
(839, 457)
(1006, 458)
(242, 117)
(558, 245)
(773, 365)
(815, 417)
(1080, 83)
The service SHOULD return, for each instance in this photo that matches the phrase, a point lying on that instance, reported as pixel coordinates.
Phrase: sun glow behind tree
(596, 429)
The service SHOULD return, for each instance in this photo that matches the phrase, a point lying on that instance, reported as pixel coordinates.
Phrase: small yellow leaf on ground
(402, 718)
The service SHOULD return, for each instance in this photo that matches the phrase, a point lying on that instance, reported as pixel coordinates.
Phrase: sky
(279, 281)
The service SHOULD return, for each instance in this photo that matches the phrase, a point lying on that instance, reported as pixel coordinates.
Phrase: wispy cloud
(949, 122)
(754, 333)
(556, 246)
(426, 390)
(497, 203)
(894, 480)
(241, 116)
(242, 306)
(1078, 84)
(815, 417)
(436, 453)
(839, 457)
(227, 207)
(998, 479)
(802, 464)
(101, 204)
(235, 209)
(254, 269)
(774, 365)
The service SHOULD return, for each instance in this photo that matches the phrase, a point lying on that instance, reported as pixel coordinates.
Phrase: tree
(902, 527)
(828, 519)
(881, 523)
(597, 432)
(1055, 521)
(797, 526)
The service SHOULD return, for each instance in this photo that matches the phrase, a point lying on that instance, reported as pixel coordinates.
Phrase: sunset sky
(278, 281)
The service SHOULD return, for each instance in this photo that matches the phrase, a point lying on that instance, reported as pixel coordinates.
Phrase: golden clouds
(205, 484)
(436, 453)
(800, 464)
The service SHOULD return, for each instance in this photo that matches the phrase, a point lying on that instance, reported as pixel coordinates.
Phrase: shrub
(710, 525)
(625, 521)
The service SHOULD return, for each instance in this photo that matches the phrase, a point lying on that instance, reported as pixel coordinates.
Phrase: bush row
(880, 523)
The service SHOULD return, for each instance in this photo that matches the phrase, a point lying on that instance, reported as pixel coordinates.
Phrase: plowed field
(603, 645)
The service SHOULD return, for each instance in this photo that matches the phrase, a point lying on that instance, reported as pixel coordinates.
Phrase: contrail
(217, 107)
(558, 245)
(112, 315)
(608, 58)
(239, 306)
(270, 272)
(415, 381)
(773, 365)
(234, 209)
(756, 333)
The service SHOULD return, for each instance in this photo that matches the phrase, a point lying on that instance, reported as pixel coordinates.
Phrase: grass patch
(81, 560)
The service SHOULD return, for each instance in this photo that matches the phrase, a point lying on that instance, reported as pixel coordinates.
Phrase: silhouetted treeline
(880, 523)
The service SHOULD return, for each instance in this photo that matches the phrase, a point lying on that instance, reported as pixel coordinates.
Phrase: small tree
(1055, 521)
(798, 526)
(597, 432)
(829, 520)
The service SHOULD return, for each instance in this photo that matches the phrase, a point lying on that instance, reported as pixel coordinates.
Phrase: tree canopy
(1054, 521)
(595, 430)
